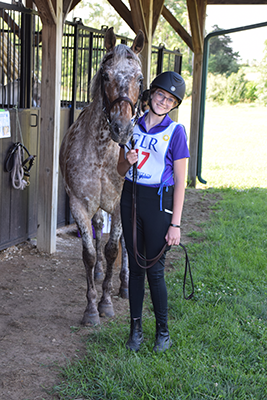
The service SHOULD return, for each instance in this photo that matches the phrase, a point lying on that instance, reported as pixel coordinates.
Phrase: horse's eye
(106, 77)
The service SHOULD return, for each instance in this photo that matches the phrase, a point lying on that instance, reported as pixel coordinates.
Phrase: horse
(88, 161)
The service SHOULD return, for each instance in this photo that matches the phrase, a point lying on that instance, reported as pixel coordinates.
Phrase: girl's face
(162, 101)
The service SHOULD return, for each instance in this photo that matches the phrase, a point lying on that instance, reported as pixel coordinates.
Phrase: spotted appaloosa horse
(88, 160)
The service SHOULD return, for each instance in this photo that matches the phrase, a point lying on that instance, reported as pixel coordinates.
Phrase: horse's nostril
(116, 128)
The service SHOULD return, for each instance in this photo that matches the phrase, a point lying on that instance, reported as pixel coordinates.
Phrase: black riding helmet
(172, 83)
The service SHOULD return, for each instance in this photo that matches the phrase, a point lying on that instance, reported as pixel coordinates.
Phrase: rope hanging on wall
(16, 164)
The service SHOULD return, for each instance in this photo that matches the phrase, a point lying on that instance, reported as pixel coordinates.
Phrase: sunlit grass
(219, 337)
(234, 144)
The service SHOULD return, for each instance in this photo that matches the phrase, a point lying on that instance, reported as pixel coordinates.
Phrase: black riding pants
(152, 226)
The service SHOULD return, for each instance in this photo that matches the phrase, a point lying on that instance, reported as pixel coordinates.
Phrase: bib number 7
(144, 160)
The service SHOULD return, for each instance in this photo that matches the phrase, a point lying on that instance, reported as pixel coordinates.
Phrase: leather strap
(153, 261)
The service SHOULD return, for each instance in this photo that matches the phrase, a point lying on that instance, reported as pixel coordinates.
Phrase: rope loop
(17, 166)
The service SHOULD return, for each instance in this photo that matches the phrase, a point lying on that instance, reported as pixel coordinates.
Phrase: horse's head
(121, 84)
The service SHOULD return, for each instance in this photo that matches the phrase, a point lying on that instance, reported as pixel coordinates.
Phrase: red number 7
(146, 156)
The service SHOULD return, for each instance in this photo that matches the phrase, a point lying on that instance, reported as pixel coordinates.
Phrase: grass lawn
(234, 144)
(220, 336)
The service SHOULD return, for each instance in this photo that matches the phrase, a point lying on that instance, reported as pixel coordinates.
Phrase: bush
(262, 92)
(236, 88)
(216, 88)
(188, 83)
(251, 92)
(233, 90)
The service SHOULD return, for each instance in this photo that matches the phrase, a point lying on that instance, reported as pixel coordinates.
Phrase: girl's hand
(132, 157)
(173, 236)
(124, 164)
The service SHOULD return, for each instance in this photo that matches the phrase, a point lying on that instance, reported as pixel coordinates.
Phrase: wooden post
(197, 16)
(49, 131)
(146, 53)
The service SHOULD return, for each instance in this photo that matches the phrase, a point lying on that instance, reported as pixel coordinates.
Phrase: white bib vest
(152, 150)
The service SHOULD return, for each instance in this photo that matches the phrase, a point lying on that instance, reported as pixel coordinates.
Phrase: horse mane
(120, 52)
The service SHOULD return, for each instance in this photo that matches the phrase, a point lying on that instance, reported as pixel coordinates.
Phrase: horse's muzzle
(120, 133)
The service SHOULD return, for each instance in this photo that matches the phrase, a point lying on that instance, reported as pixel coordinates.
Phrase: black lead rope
(154, 260)
(187, 267)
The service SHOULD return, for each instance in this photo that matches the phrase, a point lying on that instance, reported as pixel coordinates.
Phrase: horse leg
(90, 316)
(124, 274)
(97, 221)
(80, 215)
(105, 306)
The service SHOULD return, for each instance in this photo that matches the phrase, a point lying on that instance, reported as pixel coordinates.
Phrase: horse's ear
(110, 39)
(138, 42)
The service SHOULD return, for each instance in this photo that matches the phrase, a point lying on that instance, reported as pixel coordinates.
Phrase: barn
(38, 46)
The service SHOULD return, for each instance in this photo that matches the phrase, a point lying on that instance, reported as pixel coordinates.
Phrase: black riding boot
(136, 335)
(163, 341)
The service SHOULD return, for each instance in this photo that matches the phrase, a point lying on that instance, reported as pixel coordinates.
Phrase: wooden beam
(123, 11)
(138, 17)
(29, 4)
(196, 91)
(192, 7)
(202, 6)
(66, 8)
(49, 131)
(73, 4)
(146, 53)
(177, 27)
(46, 11)
(157, 9)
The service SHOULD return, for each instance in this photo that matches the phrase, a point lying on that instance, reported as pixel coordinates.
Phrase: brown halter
(107, 105)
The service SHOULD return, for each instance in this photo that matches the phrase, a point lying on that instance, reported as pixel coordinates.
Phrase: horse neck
(100, 130)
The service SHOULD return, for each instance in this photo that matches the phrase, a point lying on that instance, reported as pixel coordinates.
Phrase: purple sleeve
(178, 146)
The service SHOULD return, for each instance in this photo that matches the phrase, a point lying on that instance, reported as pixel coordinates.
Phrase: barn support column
(49, 128)
(146, 53)
(197, 17)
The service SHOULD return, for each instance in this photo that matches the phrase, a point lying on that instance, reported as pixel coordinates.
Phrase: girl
(160, 152)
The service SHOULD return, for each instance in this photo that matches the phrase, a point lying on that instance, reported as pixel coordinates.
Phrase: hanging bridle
(107, 105)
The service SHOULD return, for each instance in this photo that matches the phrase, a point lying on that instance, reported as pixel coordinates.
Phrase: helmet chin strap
(152, 109)
(160, 115)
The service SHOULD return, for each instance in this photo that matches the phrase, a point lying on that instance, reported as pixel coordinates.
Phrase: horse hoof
(98, 276)
(90, 319)
(124, 293)
(106, 310)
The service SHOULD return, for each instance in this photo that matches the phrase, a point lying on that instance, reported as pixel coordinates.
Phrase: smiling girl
(160, 151)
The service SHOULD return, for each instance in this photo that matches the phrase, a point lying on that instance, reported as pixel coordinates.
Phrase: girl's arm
(173, 235)
(124, 164)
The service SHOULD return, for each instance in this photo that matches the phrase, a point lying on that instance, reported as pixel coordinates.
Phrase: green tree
(165, 34)
(222, 60)
(98, 13)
